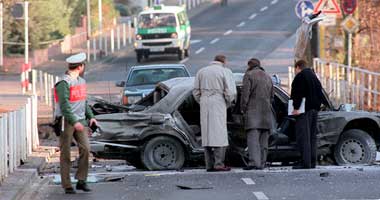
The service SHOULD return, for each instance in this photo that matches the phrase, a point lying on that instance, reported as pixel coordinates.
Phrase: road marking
(264, 8)
(252, 16)
(195, 41)
(214, 41)
(248, 181)
(260, 196)
(274, 2)
(228, 32)
(200, 50)
(241, 24)
(184, 60)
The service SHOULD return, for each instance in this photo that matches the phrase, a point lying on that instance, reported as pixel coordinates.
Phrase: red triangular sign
(327, 7)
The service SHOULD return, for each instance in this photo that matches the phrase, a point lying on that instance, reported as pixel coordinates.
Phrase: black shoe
(70, 191)
(81, 185)
(211, 170)
(300, 167)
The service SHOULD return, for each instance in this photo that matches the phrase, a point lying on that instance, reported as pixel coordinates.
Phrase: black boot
(70, 190)
(82, 185)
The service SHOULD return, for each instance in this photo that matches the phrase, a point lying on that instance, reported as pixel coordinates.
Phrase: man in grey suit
(255, 104)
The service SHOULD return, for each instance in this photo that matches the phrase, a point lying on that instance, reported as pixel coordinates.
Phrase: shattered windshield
(153, 76)
(156, 20)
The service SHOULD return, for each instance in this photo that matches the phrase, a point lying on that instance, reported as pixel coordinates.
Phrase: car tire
(139, 57)
(187, 52)
(181, 54)
(163, 153)
(355, 147)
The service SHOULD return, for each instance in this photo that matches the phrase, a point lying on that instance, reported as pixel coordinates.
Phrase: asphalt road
(243, 29)
(325, 183)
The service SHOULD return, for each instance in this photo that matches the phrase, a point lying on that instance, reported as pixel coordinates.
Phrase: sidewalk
(11, 98)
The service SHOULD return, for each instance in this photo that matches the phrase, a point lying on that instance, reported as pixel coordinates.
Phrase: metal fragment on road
(253, 16)
(324, 174)
(264, 8)
(228, 32)
(184, 187)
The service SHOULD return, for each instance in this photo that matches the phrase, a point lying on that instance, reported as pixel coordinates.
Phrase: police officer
(70, 97)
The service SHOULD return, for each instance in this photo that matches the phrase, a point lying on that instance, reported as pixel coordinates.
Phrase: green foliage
(50, 20)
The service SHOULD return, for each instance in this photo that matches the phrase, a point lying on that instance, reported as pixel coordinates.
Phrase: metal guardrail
(18, 136)
(347, 84)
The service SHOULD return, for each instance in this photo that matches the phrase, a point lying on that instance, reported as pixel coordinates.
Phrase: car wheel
(181, 54)
(355, 147)
(187, 52)
(162, 153)
(138, 57)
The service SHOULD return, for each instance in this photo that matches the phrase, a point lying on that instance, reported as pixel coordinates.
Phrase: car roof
(165, 9)
(158, 66)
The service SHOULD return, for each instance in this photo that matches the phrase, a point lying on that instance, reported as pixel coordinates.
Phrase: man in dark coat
(306, 85)
(255, 104)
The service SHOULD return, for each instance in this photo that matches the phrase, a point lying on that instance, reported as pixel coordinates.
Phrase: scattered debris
(114, 178)
(324, 174)
(108, 168)
(184, 187)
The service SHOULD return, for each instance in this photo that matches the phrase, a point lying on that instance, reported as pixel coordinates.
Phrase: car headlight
(138, 37)
(174, 35)
(133, 99)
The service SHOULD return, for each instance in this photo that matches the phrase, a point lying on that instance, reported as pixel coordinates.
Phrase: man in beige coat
(256, 105)
(214, 90)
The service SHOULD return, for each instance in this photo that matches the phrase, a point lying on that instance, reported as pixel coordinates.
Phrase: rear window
(153, 76)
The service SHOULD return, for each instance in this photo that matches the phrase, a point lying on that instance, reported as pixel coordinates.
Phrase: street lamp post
(88, 29)
(100, 25)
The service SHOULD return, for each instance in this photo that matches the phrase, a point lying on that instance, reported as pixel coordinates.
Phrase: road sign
(349, 6)
(304, 8)
(327, 7)
(350, 24)
(329, 20)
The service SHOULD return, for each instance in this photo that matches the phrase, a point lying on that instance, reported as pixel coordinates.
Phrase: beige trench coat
(214, 90)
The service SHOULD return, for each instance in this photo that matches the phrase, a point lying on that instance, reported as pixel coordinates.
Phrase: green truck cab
(162, 30)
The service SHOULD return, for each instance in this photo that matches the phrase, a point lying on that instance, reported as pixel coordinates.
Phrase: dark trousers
(306, 136)
(257, 142)
(214, 157)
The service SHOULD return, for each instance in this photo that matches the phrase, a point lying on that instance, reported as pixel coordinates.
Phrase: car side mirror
(120, 84)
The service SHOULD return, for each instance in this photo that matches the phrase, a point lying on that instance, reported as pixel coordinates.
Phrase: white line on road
(274, 2)
(184, 60)
(248, 181)
(195, 41)
(241, 24)
(214, 41)
(228, 32)
(264, 8)
(252, 16)
(200, 50)
(260, 196)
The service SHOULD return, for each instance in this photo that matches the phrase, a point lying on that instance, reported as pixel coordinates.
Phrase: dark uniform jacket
(256, 99)
(306, 85)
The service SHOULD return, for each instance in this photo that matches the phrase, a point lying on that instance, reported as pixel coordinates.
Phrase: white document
(291, 108)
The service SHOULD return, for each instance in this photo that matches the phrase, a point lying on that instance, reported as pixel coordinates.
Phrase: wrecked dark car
(162, 131)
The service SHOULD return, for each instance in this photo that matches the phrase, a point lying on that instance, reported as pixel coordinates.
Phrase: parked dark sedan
(142, 79)
(162, 131)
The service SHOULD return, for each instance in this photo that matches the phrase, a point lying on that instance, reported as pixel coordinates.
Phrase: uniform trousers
(81, 139)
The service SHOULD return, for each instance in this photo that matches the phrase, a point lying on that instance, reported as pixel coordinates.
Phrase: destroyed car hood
(129, 126)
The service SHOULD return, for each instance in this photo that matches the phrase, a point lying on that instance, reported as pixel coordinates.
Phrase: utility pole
(100, 25)
(88, 30)
(1, 36)
(26, 17)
